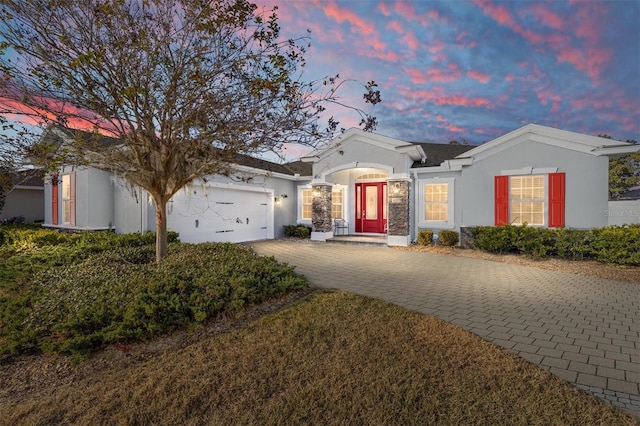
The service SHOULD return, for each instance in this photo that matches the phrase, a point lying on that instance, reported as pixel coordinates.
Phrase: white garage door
(220, 214)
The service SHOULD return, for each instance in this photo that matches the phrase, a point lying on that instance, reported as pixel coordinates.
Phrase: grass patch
(335, 358)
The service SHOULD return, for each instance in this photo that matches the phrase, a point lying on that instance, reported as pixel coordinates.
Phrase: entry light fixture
(396, 188)
(277, 200)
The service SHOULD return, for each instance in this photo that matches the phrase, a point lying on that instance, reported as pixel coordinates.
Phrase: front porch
(362, 240)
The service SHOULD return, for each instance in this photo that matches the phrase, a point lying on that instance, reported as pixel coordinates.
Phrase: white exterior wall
(27, 202)
(358, 154)
(131, 208)
(97, 192)
(586, 182)
(623, 212)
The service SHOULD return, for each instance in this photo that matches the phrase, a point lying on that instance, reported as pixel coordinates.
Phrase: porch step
(359, 240)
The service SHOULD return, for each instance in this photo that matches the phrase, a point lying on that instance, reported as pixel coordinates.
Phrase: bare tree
(183, 84)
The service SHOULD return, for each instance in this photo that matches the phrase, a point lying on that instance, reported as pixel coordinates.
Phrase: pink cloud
(416, 76)
(395, 26)
(546, 16)
(340, 15)
(405, 10)
(411, 41)
(479, 76)
(384, 9)
(503, 17)
(454, 128)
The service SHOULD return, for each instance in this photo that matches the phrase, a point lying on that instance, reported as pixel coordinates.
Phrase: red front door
(371, 207)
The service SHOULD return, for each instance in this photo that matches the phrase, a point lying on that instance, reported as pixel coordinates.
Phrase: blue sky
(474, 70)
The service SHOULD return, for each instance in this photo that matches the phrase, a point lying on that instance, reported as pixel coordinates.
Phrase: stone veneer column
(398, 227)
(321, 221)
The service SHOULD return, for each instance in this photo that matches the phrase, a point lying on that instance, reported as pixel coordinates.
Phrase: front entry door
(371, 207)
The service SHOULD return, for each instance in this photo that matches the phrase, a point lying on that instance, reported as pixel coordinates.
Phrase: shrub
(120, 295)
(297, 231)
(614, 244)
(448, 238)
(425, 237)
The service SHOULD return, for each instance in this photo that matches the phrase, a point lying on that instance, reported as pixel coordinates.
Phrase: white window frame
(336, 187)
(545, 199)
(65, 198)
(421, 207)
(300, 219)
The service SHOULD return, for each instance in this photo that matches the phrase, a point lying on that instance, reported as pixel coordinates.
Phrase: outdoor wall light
(396, 188)
(277, 200)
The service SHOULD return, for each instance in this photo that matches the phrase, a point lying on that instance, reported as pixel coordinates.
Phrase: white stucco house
(24, 201)
(375, 184)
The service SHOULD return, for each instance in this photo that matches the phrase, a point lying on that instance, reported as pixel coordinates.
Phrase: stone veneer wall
(398, 211)
(321, 209)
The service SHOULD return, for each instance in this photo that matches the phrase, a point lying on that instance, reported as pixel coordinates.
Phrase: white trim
(34, 188)
(398, 240)
(267, 173)
(420, 205)
(299, 219)
(321, 236)
(529, 171)
(370, 138)
(77, 228)
(578, 142)
(353, 165)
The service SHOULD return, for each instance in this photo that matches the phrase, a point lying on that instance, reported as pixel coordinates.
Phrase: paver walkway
(582, 329)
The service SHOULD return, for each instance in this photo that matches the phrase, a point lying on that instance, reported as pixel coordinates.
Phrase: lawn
(332, 358)
(92, 331)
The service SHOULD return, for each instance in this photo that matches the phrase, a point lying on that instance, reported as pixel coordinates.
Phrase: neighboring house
(377, 185)
(24, 201)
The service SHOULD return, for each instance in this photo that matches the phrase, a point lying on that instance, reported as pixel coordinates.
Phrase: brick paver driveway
(582, 329)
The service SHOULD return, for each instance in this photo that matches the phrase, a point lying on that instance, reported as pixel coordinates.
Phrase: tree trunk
(161, 228)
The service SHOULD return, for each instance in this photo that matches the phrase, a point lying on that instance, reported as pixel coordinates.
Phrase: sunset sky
(474, 70)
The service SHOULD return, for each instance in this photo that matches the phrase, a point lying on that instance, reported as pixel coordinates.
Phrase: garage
(221, 214)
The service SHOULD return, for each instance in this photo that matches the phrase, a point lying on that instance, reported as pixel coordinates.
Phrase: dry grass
(333, 358)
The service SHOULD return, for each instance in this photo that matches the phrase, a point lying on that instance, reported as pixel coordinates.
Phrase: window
(66, 199)
(336, 203)
(307, 200)
(435, 203)
(306, 203)
(534, 199)
(526, 200)
(436, 197)
(68, 195)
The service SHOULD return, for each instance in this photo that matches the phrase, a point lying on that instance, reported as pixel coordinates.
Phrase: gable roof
(414, 151)
(439, 152)
(578, 142)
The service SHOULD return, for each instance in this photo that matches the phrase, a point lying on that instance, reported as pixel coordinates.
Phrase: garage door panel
(220, 215)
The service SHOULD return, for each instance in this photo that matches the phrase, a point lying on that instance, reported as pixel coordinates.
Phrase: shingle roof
(27, 178)
(439, 152)
(55, 134)
(633, 194)
(291, 169)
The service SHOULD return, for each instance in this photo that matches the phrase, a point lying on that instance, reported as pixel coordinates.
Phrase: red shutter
(72, 198)
(54, 201)
(556, 200)
(501, 197)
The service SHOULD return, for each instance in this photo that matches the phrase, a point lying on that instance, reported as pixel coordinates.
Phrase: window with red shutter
(501, 198)
(54, 201)
(556, 200)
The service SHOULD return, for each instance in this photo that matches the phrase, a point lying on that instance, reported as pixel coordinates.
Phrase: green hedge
(448, 238)
(297, 231)
(614, 244)
(121, 295)
(425, 237)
